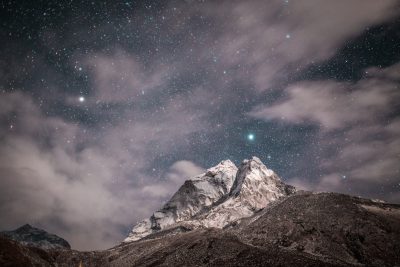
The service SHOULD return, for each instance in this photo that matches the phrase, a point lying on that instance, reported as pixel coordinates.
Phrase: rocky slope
(306, 229)
(243, 216)
(328, 225)
(31, 236)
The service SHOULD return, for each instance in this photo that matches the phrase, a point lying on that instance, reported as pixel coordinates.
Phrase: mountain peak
(255, 163)
(251, 173)
(226, 162)
(195, 195)
(253, 159)
(221, 195)
(223, 166)
(25, 227)
(32, 236)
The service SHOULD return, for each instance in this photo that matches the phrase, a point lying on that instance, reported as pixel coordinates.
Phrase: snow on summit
(216, 198)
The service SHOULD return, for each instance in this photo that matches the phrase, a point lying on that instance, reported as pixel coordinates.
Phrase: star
(250, 137)
(81, 99)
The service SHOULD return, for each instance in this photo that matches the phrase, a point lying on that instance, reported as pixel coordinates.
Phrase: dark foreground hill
(303, 229)
(31, 236)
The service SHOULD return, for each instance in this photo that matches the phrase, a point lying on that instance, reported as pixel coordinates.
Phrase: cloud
(174, 178)
(121, 77)
(46, 180)
(333, 105)
(358, 138)
(271, 40)
(90, 183)
(55, 176)
(182, 170)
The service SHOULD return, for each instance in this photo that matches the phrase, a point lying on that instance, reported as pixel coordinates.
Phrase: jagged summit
(221, 195)
(194, 195)
(255, 186)
(250, 170)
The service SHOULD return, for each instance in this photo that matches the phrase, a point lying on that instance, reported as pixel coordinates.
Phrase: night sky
(107, 107)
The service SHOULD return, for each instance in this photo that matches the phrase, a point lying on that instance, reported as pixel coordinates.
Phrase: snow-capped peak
(219, 196)
(192, 197)
(254, 188)
(251, 170)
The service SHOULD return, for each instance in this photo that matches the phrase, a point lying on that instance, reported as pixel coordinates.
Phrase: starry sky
(106, 107)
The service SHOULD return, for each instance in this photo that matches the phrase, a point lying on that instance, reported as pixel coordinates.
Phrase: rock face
(219, 196)
(254, 188)
(192, 197)
(31, 236)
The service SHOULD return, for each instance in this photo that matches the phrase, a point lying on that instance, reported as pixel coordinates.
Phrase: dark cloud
(170, 89)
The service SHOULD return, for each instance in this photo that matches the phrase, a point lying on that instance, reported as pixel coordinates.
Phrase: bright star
(250, 137)
(81, 99)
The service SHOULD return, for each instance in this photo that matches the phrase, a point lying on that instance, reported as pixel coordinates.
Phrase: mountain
(31, 236)
(192, 197)
(346, 229)
(219, 196)
(243, 216)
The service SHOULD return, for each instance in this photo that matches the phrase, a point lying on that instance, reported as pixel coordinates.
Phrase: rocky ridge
(31, 236)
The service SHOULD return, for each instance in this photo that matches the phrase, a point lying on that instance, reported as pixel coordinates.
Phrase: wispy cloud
(358, 138)
(55, 176)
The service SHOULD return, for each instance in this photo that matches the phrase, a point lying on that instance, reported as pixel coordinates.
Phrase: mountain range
(237, 216)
